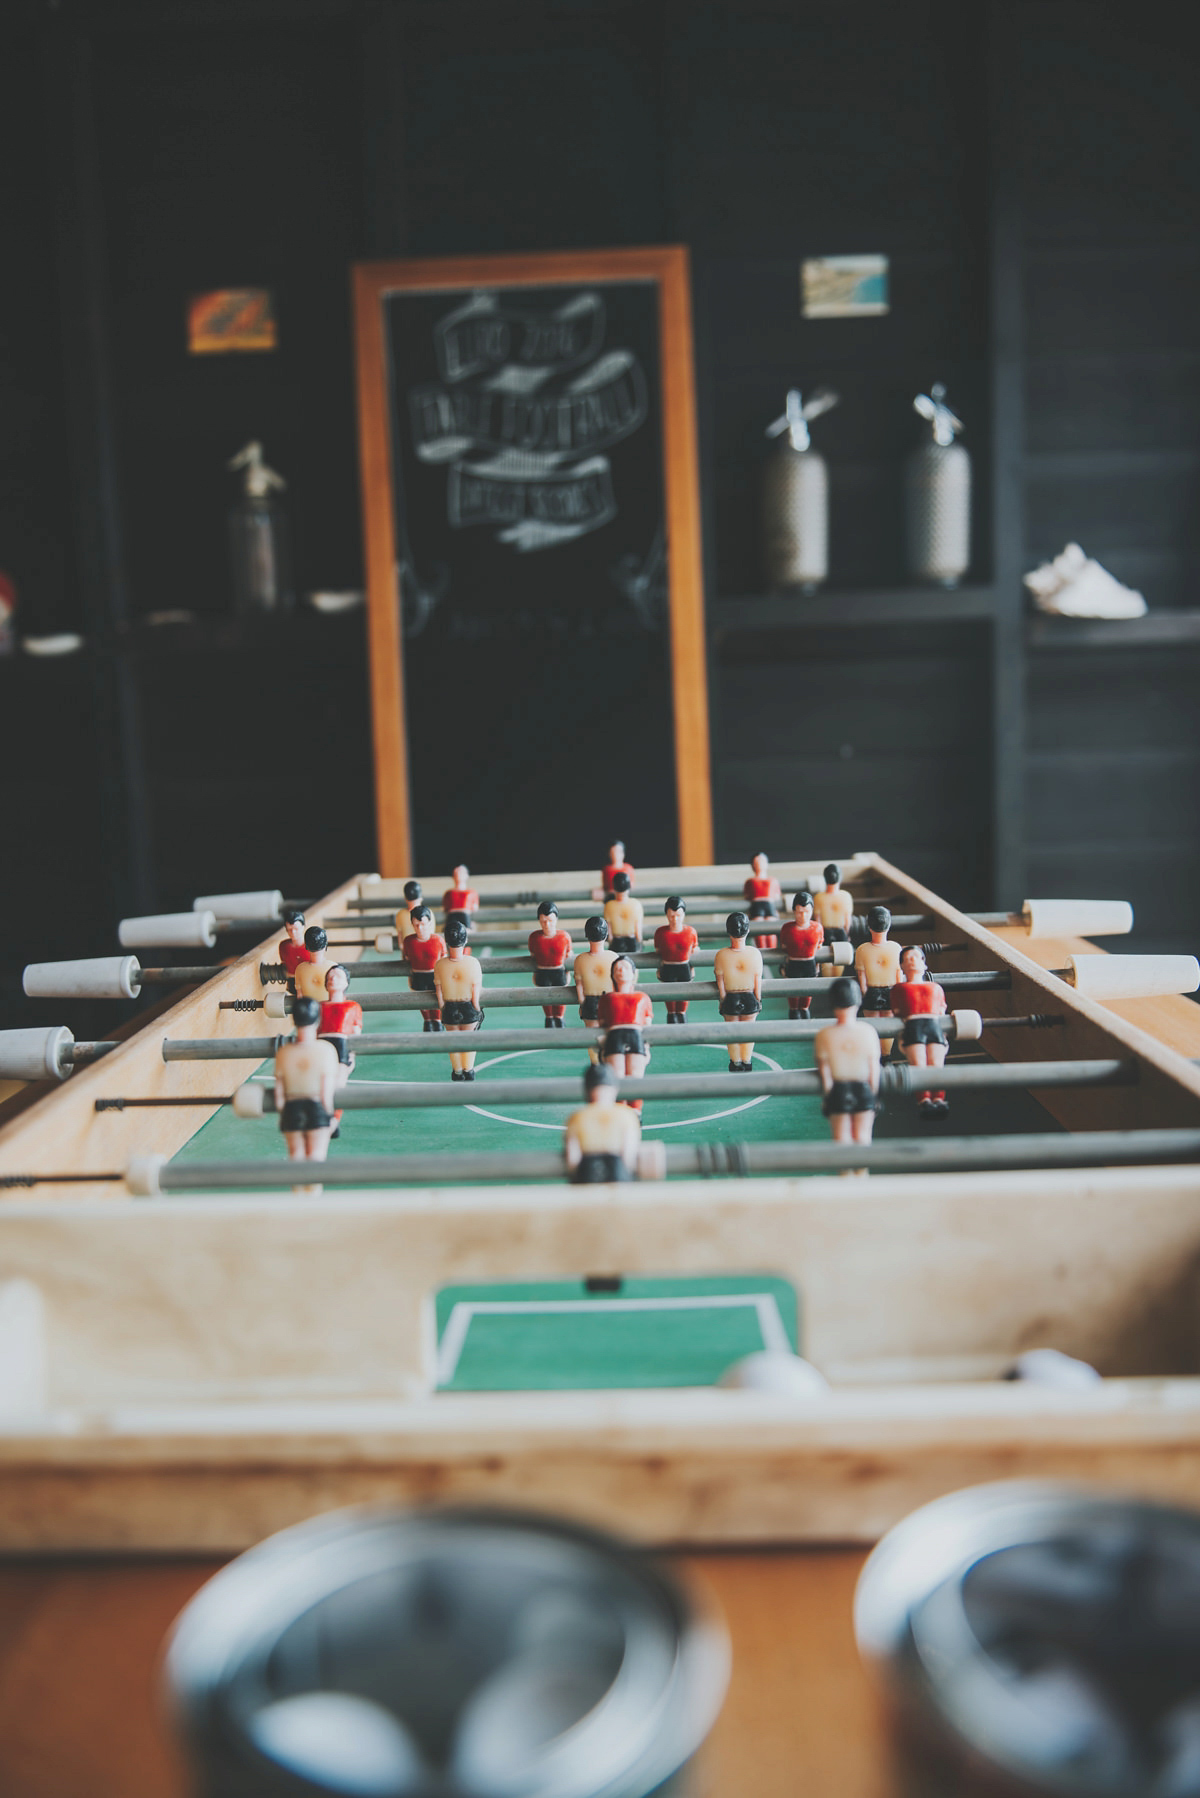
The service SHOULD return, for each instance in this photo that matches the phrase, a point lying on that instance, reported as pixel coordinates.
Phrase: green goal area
(608, 1333)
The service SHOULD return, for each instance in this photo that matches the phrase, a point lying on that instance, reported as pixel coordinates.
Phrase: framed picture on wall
(527, 430)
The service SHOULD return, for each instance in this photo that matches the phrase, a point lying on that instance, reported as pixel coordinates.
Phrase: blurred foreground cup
(462, 1654)
(1042, 1639)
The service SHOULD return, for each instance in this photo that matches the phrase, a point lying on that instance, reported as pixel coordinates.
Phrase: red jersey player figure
(738, 972)
(801, 939)
(459, 982)
(291, 949)
(404, 923)
(624, 916)
(848, 1060)
(305, 1081)
(310, 973)
(762, 890)
(877, 965)
(675, 942)
(340, 1018)
(616, 864)
(602, 1139)
(592, 974)
(624, 1013)
(422, 951)
(921, 1002)
(550, 947)
(460, 900)
(834, 908)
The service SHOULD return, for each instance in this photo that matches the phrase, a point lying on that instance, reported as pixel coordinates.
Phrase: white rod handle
(267, 905)
(103, 977)
(968, 1026)
(169, 930)
(39, 1054)
(1078, 917)
(1134, 976)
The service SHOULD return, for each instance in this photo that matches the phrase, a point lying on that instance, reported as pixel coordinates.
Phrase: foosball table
(202, 1341)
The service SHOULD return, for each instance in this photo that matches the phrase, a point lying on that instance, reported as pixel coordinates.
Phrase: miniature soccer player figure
(616, 864)
(291, 949)
(675, 943)
(306, 1072)
(592, 975)
(848, 1061)
(834, 908)
(310, 974)
(624, 916)
(423, 951)
(550, 947)
(801, 939)
(762, 890)
(602, 1139)
(458, 979)
(460, 900)
(623, 1015)
(877, 965)
(921, 1002)
(404, 923)
(340, 1018)
(738, 972)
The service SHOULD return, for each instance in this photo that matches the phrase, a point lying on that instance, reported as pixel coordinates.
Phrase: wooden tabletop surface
(80, 1643)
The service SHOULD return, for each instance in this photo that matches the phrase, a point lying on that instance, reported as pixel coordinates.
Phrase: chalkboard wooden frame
(667, 266)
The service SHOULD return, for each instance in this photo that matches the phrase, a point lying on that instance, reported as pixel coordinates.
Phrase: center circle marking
(710, 1117)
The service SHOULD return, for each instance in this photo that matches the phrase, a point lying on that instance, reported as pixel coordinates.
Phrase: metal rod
(80, 1054)
(896, 1078)
(712, 924)
(394, 967)
(909, 1155)
(176, 976)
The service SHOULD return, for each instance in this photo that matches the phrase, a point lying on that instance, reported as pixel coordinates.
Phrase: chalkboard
(536, 615)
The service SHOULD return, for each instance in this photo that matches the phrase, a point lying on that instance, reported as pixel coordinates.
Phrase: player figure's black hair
(315, 939)
(547, 909)
(412, 890)
(845, 995)
(802, 897)
(621, 883)
(612, 968)
(457, 934)
(599, 1074)
(418, 912)
(879, 918)
(305, 1011)
(674, 903)
(596, 930)
(293, 915)
(833, 874)
(737, 924)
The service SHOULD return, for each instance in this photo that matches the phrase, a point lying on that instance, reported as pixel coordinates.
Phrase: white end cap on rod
(142, 1176)
(841, 954)
(275, 1005)
(1133, 976)
(103, 977)
(248, 1100)
(385, 942)
(169, 930)
(267, 905)
(968, 1026)
(1078, 917)
(38, 1054)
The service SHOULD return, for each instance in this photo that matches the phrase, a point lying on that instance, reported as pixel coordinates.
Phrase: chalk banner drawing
(527, 405)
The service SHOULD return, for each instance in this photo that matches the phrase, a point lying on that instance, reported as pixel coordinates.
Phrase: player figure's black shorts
(674, 970)
(303, 1114)
(835, 934)
(623, 1039)
(420, 982)
(344, 1053)
(589, 1011)
(460, 1011)
(740, 1005)
(626, 945)
(924, 1029)
(594, 1170)
(848, 1097)
(800, 970)
(762, 908)
(877, 998)
(551, 977)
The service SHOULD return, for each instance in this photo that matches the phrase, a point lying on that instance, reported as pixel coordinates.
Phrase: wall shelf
(1156, 630)
(853, 606)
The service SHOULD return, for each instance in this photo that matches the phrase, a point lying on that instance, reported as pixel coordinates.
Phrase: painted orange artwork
(232, 318)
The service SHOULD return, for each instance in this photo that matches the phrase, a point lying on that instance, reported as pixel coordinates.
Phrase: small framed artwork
(844, 286)
(232, 320)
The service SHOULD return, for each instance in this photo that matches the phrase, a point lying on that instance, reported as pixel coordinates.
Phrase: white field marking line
(710, 1117)
(454, 1337)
